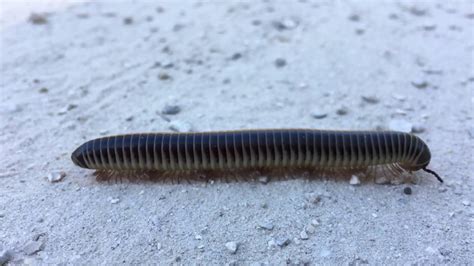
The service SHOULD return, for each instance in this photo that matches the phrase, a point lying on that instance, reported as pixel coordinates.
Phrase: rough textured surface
(101, 68)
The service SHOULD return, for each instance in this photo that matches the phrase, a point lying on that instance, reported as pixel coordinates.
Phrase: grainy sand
(101, 68)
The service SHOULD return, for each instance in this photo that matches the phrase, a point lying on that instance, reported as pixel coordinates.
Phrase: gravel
(56, 176)
(318, 114)
(171, 109)
(354, 180)
(266, 225)
(232, 246)
(280, 62)
(420, 84)
(32, 247)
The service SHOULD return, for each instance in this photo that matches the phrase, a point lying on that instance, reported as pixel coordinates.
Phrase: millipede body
(320, 150)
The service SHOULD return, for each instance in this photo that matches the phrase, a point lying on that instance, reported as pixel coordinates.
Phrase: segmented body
(254, 149)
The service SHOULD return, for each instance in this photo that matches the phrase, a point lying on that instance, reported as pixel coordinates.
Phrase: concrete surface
(103, 68)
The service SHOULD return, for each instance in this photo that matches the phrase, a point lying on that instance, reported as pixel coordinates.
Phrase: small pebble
(417, 129)
(313, 198)
(280, 62)
(283, 242)
(304, 235)
(56, 176)
(236, 56)
(180, 126)
(466, 203)
(407, 190)
(263, 179)
(128, 21)
(370, 99)
(33, 247)
(315, 222)
(114, 200)
(310, 229)
(198, 237)
(232, 246)
(38, 19)
(266, 225)
(342, 111)
(171, 109)
(43, 90)
(420, 84)
(317, 114)
(354, 180)
(354, 17)
(164, 76)
(400, 125)
(285, 24)
(417, 11)
(432, 250)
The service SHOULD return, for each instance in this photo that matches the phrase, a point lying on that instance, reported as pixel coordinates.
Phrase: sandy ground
(103, 68)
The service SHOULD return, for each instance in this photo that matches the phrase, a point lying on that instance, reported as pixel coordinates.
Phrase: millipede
(319, 151)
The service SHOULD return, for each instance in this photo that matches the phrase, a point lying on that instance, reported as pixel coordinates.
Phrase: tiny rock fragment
(315, 222)
(417, 11)
(33, 247)
(171, 109)
(43, 90)
(128, 20)
(354, 17)
(232, 246)
(283, 242)
(370, 99)
(313, 198)
(407, 190)
(310, 229)
(38, 19)
(417, 129)
(342, 110)
(164, 76)
(266, 225)
(400, 125)
(304, 235)
(114, 200)
(285, 24)
(180, 126)
(354, 180)
(466, 203)
(432, 250)
(263, 179)
(280, 62)
(56, 176)
(318, 114)
(420, 84)
(236, 56)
